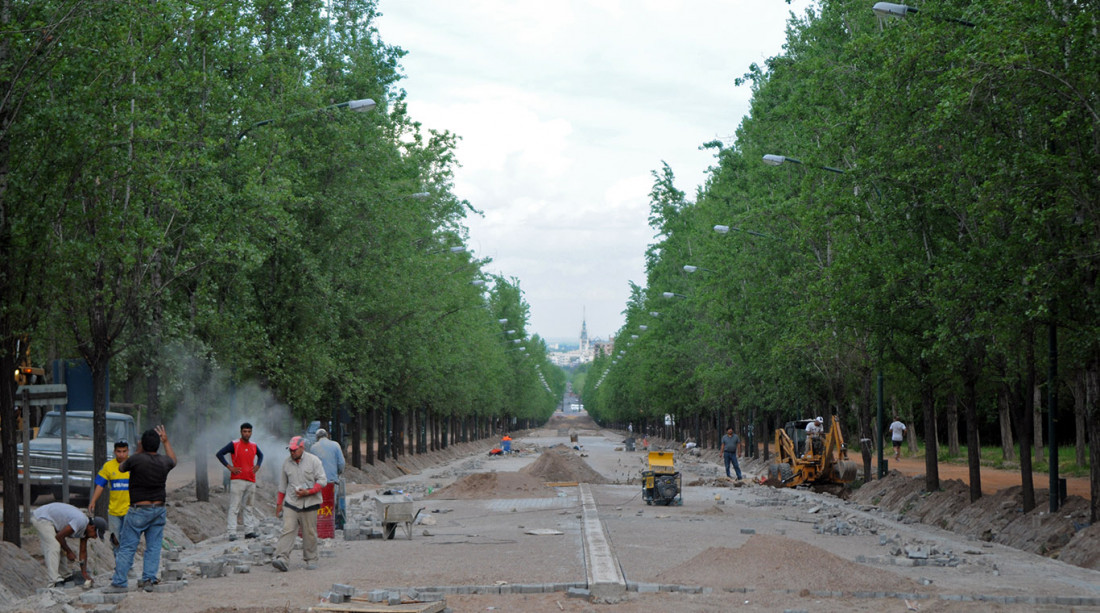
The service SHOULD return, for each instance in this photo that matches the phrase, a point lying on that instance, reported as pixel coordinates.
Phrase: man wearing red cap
(301, 480)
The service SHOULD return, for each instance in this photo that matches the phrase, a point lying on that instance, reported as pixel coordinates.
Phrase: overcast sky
(565, 109)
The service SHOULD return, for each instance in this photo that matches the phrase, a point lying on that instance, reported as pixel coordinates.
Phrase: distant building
(582, 355)
(604, 348)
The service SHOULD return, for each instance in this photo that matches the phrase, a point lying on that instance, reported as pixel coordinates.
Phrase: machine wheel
(388, 530)
(786, 473)
(773, 472)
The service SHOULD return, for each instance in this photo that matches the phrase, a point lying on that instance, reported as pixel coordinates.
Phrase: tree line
(910, 200)
(187, 187)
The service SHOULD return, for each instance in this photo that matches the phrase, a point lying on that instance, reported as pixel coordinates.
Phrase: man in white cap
(301, 479)
(56, 522)
(815, 427)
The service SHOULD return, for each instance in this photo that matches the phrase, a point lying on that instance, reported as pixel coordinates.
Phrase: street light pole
(359, 106)
(777, 160)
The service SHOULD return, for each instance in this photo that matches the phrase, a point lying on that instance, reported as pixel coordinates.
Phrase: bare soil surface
(494, 521)
(993, 480)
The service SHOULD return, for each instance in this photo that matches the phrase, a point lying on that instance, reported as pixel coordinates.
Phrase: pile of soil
(562, 464)
(765, 562)
(484, 486)
(997, 518)
(22, 573)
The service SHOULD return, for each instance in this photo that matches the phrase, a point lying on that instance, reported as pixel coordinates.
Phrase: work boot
(279, 564)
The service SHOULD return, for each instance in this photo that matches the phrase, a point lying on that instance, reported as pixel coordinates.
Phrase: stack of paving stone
(913, 554)
(411, 594)
(847, 526)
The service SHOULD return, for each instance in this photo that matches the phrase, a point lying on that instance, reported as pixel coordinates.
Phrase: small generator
(661, 484)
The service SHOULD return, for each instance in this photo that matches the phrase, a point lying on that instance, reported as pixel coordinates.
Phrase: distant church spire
(584, 331)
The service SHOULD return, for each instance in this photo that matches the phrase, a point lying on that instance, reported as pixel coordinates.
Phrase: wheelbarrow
(393, 510)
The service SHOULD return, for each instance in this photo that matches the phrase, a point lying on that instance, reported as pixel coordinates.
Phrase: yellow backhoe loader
(819, 460)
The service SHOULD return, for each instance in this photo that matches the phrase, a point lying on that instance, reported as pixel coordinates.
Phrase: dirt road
(730, 545)
(993, 480)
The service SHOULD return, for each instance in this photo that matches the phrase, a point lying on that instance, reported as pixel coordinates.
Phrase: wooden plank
(378, 607)
(560, 483)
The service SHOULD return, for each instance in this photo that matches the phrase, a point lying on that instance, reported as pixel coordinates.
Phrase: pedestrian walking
(117, 483)
(247, 459)
(897, 435)
(57, 522)
(148, 476)
(301, 479)
(730, 446)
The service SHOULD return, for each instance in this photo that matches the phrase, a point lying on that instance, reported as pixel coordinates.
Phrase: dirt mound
(577, 422)
(997, 518)
(562, 464)
(766, 562)
(495, 485)
(21, 572)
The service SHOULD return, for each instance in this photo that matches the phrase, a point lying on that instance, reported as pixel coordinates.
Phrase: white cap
(819, 420)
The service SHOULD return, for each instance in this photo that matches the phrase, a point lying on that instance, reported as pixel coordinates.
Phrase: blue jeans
(114, 525)
(147, 520)
(731, 458)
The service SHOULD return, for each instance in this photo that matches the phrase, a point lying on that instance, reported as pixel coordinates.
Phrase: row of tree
(183, 188)
(938, 225)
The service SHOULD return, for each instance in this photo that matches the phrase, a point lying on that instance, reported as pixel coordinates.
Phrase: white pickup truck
(45, 452)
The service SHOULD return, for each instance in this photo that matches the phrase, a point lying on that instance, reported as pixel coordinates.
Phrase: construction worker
(247, 459)
(112, 479)
(56, 522)
(301, 480)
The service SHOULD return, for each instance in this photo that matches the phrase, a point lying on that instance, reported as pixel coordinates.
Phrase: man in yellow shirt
(118, 482)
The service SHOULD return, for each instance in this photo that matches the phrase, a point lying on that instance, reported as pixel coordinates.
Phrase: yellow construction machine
(662, 484)
(816, 459)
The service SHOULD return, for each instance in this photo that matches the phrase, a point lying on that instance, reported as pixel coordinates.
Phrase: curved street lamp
(779, 160)
(359, 106)
(726, 229)
(887, 10)
(688, 268)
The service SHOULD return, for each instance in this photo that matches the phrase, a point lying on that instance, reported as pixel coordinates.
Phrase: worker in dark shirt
(148, 515)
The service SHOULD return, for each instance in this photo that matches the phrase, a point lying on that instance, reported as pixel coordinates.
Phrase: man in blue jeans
(730, 444)
(148, 475)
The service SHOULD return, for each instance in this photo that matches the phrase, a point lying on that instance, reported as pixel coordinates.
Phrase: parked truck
(45, 452)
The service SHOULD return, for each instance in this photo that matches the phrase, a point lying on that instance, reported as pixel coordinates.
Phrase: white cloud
(564, 110)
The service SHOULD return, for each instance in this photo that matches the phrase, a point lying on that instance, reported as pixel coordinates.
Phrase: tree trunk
(931, 447)
(1092, 383)
(202, 477)
(1004, 412)
(865, 429)
(357, 439)
(1025, 414)
(1080, 413)
(1037, 421)
(973, 445)
(953, 425)
(8, 427)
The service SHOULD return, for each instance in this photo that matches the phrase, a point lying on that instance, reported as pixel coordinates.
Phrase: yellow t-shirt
(118, 484)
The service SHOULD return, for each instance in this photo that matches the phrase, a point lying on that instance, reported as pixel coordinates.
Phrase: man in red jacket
(247, 459)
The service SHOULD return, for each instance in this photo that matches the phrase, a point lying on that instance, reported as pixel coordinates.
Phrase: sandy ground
(487, 522)
(993, 480)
